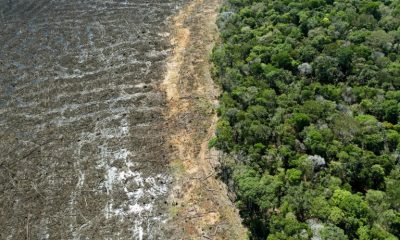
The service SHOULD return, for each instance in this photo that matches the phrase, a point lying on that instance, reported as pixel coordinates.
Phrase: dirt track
(200, 205)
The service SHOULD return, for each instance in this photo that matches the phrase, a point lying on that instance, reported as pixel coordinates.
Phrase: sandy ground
(200, 207)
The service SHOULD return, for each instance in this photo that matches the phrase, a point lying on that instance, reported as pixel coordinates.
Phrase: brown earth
(200, 207)
(82, 119)
(84, 123)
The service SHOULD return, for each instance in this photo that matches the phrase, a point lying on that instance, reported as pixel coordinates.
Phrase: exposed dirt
(88, 139)
(82, 125)
(200, 207)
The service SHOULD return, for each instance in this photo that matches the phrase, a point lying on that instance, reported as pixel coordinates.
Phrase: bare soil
(91, 147)
(82, 126)
(200, 207)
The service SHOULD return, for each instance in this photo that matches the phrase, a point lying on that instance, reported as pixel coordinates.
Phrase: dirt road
(200, 205)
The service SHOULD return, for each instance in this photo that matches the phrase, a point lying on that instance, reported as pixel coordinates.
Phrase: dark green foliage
(310, 111)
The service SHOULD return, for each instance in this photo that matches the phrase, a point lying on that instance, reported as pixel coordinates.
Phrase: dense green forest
(309, 116)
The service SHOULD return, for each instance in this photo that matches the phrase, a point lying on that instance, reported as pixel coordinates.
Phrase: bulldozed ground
(200, 207)
(104, 121)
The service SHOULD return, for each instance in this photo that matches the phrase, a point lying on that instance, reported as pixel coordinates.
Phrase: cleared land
(200, 207)
(82, 119)
(106, 109)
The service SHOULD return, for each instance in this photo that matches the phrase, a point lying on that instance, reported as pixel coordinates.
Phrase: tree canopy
(309, 116)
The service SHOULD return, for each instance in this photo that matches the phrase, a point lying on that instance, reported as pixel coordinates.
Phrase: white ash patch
(122, 171)
(140, 191)
(43, 234)
(154, 54)
(163, 34)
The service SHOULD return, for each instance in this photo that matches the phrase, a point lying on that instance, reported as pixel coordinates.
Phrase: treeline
(310, 116)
